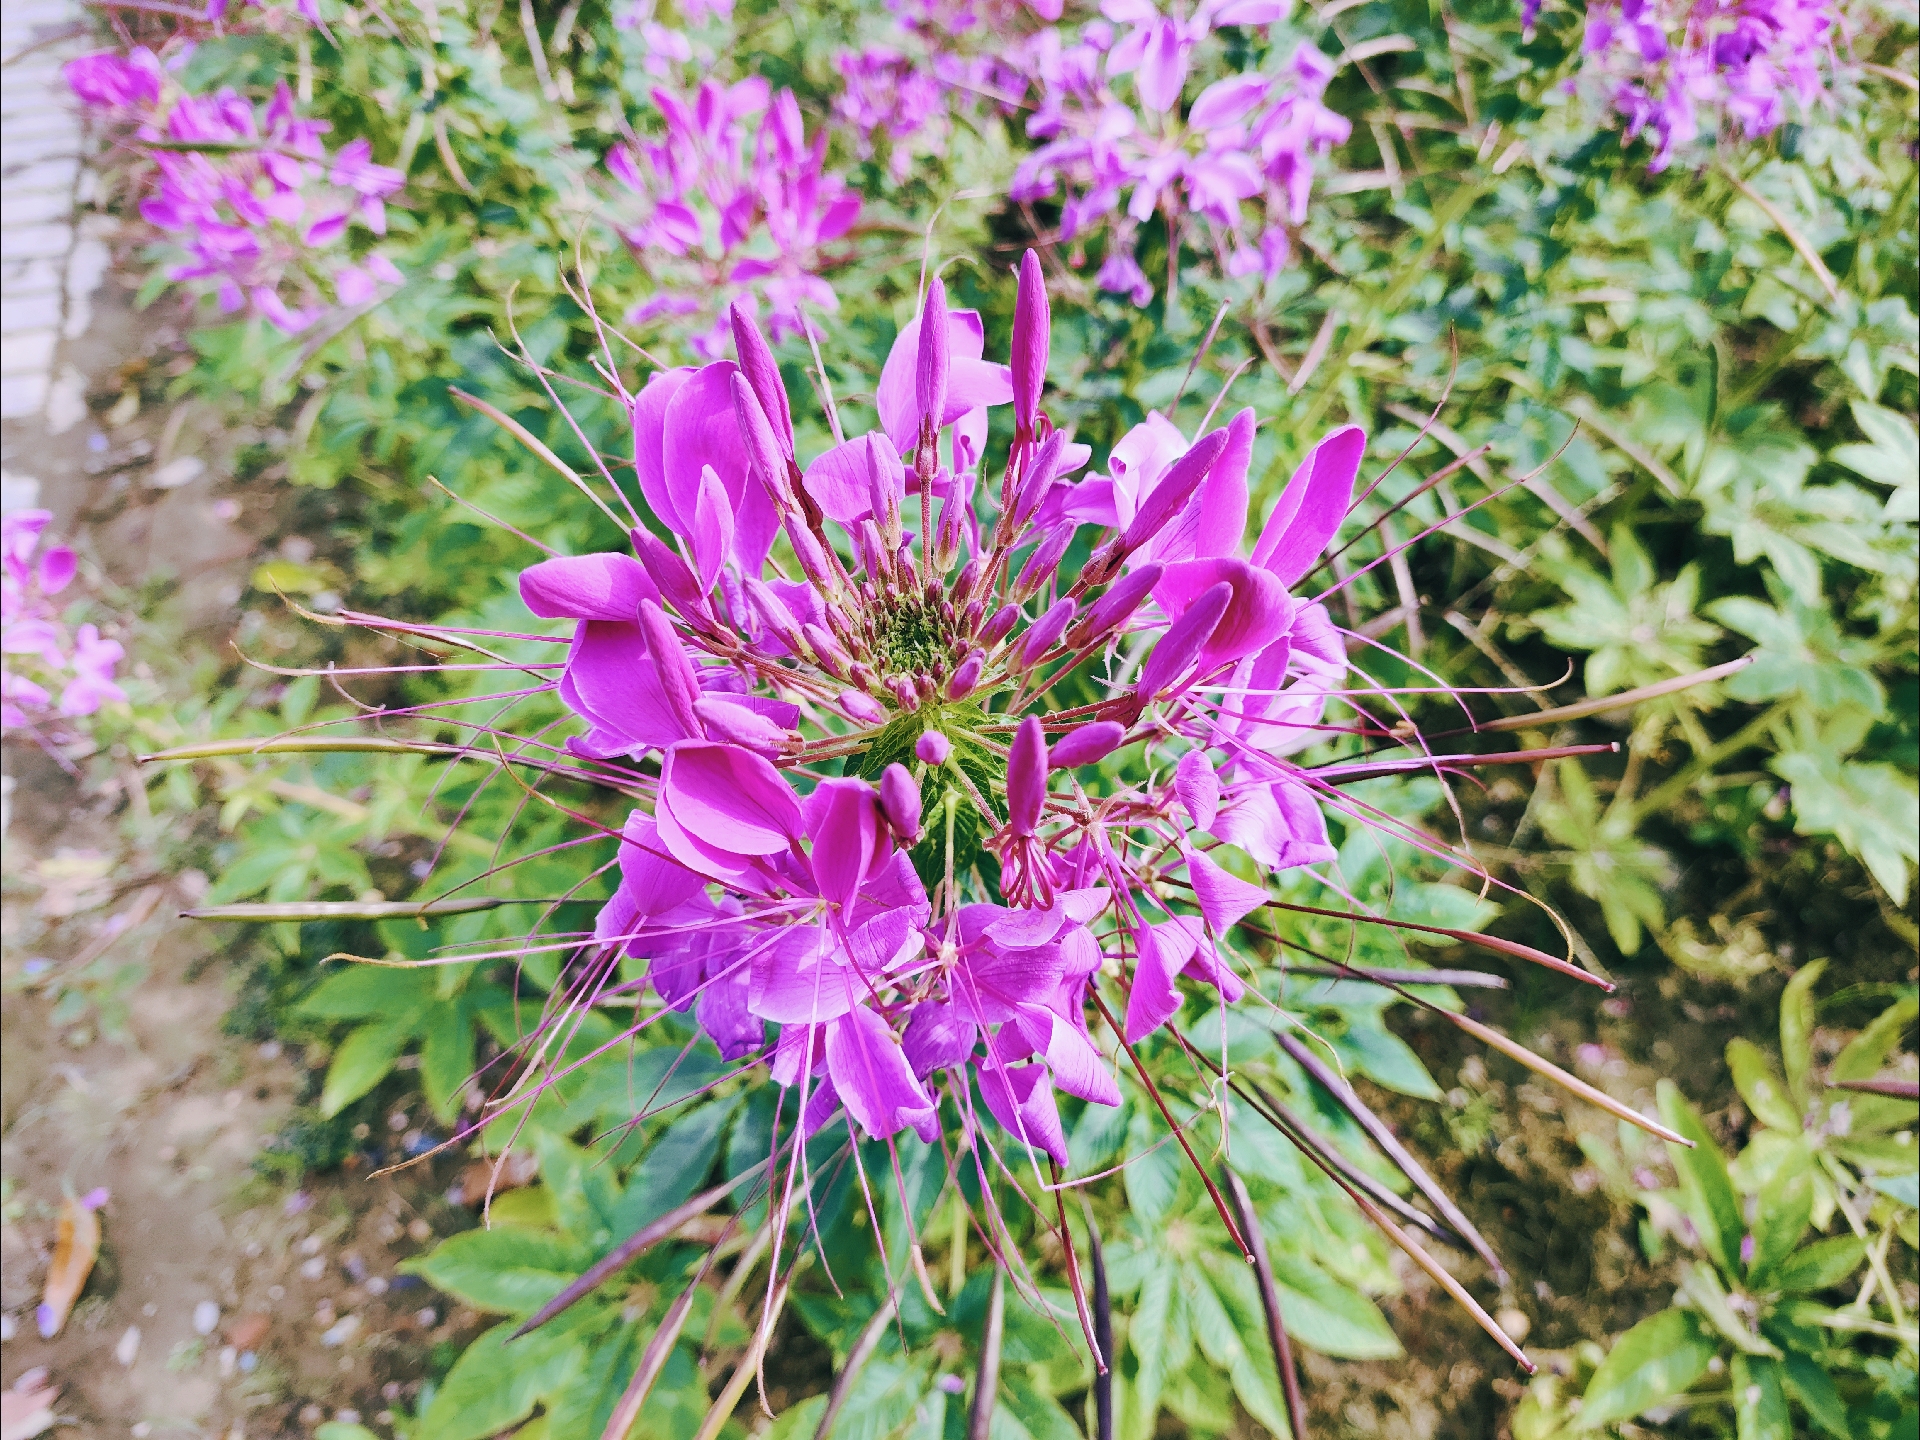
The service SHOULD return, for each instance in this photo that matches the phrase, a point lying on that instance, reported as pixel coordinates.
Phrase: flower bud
(1176, 487)
(1036, 479)
(1032, 323)
(933, 747)
(678, 678)
(1027, 776)
(1085, 745)
(999, 623)
(670, 574)
(1043, 562)
(1042, 634)
(900, 803)
(933, 364)
(1182, 643)
(762, 373)
(826, 649)
(970, 617)
(1116, 607)
(764, 456)
(773, 611)
(862, 709)
(903, 691)
(966, 675)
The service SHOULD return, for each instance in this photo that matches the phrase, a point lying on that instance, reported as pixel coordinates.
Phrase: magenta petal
(1215, 520)
(730, 798)
(724, 1013)
(1225, 899)
(712, 528)
(840, 481)
(1198, 788)
(611, 681)
(1175, 487)
(1163, 69)
(797, 981)
(1152, 1000)
(876, 1084)
(1021, 1099)
(762, 372)
(895, 397)
(1071, 1054)
(1309, 512)
(938, 1036)
(822, 1105)
(603, 586)
(651, 880)
(1259, 612)
(1180, 647)
(843, 822)
(649, 440)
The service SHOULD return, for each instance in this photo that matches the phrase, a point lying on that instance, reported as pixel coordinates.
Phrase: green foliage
(1759, 1304)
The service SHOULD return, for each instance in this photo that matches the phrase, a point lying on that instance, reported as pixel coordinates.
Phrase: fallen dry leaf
(27, 1409)
(75, 1248)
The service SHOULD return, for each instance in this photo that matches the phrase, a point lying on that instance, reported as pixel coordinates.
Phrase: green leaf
(494, 1385)
(1813, 1388)
(1784, 1212)
(363, 1060)
(1796, 1032)
(447, 1057)
(1902, 1189)
(1760, 1399)
(1702, 1289)
(1891, 455)
(1819, 1266)
(581, 1411)
(1329, 1316)
(1654, 1361)
(355, 992)
(507, 1270)
(1711, 1201)
(1863, 1055)
(1760, 1087)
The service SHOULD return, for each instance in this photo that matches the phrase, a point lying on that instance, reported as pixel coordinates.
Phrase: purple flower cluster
(740, 206)
(78, 664)
(1680, 69)
(1240, 159)
(868, 825)
(249, 192)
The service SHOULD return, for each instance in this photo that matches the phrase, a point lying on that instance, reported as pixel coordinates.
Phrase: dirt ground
(223, 1303)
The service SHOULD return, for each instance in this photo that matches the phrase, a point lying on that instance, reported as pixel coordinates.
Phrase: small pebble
(377, 1285)
(355, 1267)
(276, 1292)
(128, 1348)
(166, 1154)
(140, 1429)
(391, 1390)
(229, 1361)
(206, 1317)
(149, 1310)
(9, 1325)
(314, 1269)
(347, 1417)
(247, 1362)
(419, 1232)
(340, 1332)
(1514, 1323)
(297, 1203)
(398, 1120)
(426, 1318)
(36, 966)
(383, 1417)
(248, 1331)
(311, 1415)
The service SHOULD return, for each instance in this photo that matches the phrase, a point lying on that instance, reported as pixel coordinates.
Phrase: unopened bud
(903, 691)
(1046, 631)
(1043, 562)
(861, 708)
(1085, 745)
(900, 803)
(1000, 623)
(933, 747)
(826, 649)
(966, 675)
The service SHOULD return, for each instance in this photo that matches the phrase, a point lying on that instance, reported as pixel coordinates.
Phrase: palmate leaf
(507, 1270)
(494, 1385)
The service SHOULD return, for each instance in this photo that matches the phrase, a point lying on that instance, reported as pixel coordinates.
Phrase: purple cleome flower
(43, 656)
(249, 193)
(1681, 69)
(740, 203)
(924, 927)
